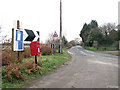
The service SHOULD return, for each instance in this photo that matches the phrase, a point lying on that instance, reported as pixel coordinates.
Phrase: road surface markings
(70, 52)
(89, 51)
(86, 54)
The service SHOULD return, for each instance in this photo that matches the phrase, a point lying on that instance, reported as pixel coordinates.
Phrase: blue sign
(18, 40)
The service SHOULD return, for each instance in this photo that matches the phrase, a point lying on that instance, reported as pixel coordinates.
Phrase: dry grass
(13, 72)
(45, 49)
(26, 52)
(7, 55)
(17, 71)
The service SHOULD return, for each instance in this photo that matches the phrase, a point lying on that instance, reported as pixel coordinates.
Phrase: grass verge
(117, 54)
(49, 62)
(101, 48)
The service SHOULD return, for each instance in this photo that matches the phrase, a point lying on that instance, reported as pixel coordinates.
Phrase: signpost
(32, 37)
(21, 37)
(53, 45)
(17, 42)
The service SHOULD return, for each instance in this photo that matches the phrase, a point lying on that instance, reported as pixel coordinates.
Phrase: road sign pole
(54, 40)
(51, 48)
(53, 45)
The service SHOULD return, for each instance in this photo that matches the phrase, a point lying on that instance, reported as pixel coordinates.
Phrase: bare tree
(0, 35)
(118, 27)
(105, 29)
(51, 39)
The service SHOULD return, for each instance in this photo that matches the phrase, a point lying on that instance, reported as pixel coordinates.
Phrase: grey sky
(44, 15)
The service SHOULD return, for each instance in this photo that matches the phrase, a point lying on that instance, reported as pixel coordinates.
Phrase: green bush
(101, 48)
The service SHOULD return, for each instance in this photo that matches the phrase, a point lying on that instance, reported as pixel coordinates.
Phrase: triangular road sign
(55, 34)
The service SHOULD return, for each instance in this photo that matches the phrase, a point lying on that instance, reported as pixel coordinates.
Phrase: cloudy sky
(44, 15)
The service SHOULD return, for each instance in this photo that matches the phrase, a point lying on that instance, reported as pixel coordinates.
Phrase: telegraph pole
(60, 27)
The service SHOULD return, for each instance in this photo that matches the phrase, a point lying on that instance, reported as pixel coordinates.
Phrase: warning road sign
(55, 34)
(30, 35)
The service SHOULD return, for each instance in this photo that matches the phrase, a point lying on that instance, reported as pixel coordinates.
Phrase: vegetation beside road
(101, 48)
(100, 38)
(117, 54)
(28, 70)
(109, 49)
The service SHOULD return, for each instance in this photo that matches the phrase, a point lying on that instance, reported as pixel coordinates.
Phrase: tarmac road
(87, 69)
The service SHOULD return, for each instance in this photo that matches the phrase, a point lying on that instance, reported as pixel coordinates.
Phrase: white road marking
(70, 52)
(73, 47)
(89, 51)
(86, 54)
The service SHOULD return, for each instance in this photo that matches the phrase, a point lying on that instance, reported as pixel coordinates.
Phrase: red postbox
(35, 48)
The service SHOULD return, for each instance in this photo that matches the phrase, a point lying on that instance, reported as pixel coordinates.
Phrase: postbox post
(35, 59)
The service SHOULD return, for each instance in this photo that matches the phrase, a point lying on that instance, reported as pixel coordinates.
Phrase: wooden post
(60, 49)
(35, 59)
(13, 53)
(18, 27)
(20, 57)
(52, 48)
(19, 52)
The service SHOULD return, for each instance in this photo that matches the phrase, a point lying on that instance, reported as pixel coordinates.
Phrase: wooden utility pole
(60, 51)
